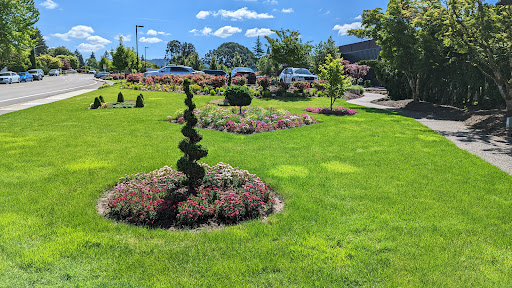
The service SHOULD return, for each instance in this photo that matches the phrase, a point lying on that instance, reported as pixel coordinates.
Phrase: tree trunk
(509, 108)
(414, 83)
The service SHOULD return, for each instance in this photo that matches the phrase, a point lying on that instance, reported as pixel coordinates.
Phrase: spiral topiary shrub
(238, 96)
(120, 97)
(189, 146)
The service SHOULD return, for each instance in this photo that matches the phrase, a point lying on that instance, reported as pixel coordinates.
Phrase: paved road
(11, 94)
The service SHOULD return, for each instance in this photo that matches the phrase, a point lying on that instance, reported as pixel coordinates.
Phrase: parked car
(9, 77)
(38, 74)
(92, 72)
(215, 72)
(69, 71)
(172, 69)
(101, 75)
(245, 72)
(26, 77)
(291, 74)
(54, 72)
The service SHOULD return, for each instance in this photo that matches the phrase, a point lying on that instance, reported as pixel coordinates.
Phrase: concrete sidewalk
(21, 106)
(492, 149)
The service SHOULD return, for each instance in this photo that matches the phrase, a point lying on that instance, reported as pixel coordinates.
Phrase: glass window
(302, 71)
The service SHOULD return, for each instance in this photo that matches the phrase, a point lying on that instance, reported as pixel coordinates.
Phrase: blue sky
(95, 25)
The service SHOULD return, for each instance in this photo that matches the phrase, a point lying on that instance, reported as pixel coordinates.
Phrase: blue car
(26, 77)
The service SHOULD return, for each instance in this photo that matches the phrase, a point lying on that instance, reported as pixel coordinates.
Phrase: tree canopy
(288, 49)
(17, 20)
(225, 54)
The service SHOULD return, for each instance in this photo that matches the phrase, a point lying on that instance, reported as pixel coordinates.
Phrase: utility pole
(137, 43)
(145, 58)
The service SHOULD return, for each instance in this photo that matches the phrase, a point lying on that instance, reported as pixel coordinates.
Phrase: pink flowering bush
(227, 195)
(252, 119)
(134, 78)
(301, 85)
(319, 85)
(339, 111)
(239, 80)
(264, 82)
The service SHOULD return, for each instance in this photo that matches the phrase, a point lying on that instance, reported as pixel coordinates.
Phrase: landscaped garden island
(369, 198)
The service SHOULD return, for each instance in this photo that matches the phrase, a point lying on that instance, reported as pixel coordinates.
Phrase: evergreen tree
(80, 57)
(258, 50)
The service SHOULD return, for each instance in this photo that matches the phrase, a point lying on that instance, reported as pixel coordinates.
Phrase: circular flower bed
(228, 195)
(252, 120)
(339, 111)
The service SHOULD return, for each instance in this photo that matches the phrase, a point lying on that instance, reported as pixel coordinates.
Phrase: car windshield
(22, 73)
(244, 70)
(5, 74)
(302, 71)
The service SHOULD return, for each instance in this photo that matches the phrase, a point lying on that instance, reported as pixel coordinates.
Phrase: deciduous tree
(288, 49)
(337, 82)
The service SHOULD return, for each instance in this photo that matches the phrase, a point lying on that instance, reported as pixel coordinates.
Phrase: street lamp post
(137, 43)
(145, 58)
(35, 61)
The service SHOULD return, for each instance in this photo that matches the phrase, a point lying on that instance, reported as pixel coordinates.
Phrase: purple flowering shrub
(227, 195)
(252, 120)
(339, 111)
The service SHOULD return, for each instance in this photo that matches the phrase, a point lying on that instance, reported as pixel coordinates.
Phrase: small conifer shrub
(120, 97)
(96, 104)
(101, 99)
(140, 101)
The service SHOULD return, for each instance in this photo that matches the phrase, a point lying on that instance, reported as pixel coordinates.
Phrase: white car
(54, 72)
(9, 78)
(291, 74)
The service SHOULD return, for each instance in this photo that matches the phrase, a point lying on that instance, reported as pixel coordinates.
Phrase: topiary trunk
(191, 150)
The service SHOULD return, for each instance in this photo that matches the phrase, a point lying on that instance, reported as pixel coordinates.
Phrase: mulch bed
(489, 122)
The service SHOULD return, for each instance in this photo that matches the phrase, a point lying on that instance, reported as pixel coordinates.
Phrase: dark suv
(244, 72)
(215, 72)
(38, 74)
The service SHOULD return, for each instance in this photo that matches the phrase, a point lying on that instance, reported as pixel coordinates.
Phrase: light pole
(35, 61)
(137, 43)
(145, 58)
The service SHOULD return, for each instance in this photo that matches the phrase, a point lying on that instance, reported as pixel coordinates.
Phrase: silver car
(291, 74)
(172, 69)
(54, 72)
(9, 78)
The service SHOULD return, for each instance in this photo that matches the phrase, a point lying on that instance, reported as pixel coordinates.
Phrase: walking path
(492, 149)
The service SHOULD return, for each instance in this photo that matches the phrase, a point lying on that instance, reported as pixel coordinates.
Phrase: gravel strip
(492, 149)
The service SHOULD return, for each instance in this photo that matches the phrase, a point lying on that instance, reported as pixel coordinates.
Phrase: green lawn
(374, 199)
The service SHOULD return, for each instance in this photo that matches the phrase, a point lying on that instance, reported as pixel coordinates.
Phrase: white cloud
(46, 38)
(49, 4)
(273, 2)
(88, 48)
(79, 31)
(360, 17)
(152, 40)
(255, 32)
(152, 32)
(240, 14)
(289, 10)
(126, 38)
(203, 14)
(227, 31)
(97, 40)
(343, 29)
(203, 32)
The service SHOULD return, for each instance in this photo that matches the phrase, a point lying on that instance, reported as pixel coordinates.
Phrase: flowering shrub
(301, 85)
(339, 111)
(252, 120)
(319, 85)
(134, 78)
(227, 195)
(264, 82)
(239, 80)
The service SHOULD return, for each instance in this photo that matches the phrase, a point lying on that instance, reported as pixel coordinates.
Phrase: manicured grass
(374, 199)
